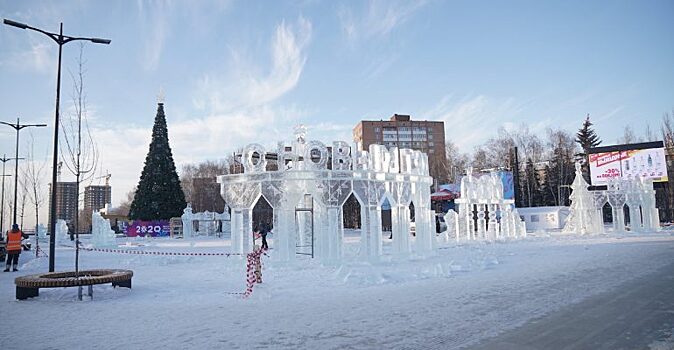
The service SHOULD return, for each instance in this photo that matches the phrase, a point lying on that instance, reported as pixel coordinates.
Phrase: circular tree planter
(28, 286)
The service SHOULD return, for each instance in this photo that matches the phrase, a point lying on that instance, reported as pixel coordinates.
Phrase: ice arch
(329, 175)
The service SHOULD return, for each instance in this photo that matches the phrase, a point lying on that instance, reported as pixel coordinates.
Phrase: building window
(376, 129)
(431, 151)
(430, 136)
(430, 144)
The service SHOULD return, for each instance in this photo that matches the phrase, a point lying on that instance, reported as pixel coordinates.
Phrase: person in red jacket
(13, 247)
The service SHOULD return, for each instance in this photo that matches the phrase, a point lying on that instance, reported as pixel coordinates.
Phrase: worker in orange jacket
(13, 247)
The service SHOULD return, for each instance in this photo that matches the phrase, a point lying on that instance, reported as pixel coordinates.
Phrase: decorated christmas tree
(159, 195)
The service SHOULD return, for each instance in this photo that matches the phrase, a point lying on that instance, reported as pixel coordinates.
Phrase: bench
(29, 286)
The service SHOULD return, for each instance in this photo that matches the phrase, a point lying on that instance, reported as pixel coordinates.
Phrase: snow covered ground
(463, 295)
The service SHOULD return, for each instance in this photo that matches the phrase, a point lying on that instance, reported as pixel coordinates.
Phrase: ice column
(188, 227)
(366, 192)
(241, 197)
(424, 221)
(331, 195)
(649, 211)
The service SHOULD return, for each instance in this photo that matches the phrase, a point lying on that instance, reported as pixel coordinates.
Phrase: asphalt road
(632, 316)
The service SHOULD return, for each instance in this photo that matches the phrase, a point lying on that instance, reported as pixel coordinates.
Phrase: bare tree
(665, 196)
(649, 134)
(34, 176)
(560, 172)
(629, 136)
(667, 129)
(480, 160)
(24, 197)
(126, 204)
(456, 161)
(499, 149)
(529, 145)
(81, 156)
(200, 186)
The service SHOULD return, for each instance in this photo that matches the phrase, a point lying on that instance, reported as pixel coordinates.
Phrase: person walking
(264, 230)
(13, 247)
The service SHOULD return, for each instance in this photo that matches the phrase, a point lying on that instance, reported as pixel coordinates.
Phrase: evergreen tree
(559, 175)
(548, 190)
(159, 195)
(586, 138)
(531, 186)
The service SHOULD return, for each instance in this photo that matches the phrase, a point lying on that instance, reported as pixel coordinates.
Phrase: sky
(237, 72)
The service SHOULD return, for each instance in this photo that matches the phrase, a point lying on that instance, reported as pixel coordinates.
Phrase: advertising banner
(155, 228)
(628, 162)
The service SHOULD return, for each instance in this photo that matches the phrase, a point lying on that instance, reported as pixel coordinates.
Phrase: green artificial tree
(159, 195)
(586, 138)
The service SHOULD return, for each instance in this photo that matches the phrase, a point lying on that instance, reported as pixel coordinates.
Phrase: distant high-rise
(402, 132)
(66, 203)
(96, 197)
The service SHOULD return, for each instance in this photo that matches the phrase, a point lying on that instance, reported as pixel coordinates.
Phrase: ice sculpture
(312, 183)
(62, 236)
(452, 221)
(483, 212)
(41, 232)
(188, 227)
(207, 222)
(101, 233)
(584, 218)
(586, 206)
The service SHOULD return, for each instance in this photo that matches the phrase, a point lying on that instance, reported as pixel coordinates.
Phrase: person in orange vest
(13, 247)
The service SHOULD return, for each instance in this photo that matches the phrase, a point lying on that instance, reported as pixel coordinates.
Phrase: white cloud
(239, 108)
(243, 88)
(378, 19)
(155, 28)
(38, 55)
(471, 120)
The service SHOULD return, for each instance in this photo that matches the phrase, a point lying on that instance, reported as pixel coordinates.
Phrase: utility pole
(4, 160)
(18, 126)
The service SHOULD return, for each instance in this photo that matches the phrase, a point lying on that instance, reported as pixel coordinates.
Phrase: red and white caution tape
(40, 253)
(253, 262)
(253, 272)
(143, 252)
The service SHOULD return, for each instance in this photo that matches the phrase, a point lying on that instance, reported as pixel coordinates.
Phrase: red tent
(443, 195)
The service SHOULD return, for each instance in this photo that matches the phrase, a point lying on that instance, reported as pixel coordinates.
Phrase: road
(636, 315)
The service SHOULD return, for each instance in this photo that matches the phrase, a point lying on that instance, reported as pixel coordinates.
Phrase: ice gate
(329, 177)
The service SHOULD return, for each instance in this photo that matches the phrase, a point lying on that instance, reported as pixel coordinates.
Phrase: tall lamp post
(18, 126)
(4, 160)
(61, 40)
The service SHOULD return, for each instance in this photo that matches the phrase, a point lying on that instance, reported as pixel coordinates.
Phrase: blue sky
(239, 72)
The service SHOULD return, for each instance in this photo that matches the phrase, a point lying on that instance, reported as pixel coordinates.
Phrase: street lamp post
(61, 40)
(4, 160)
(18, 126)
